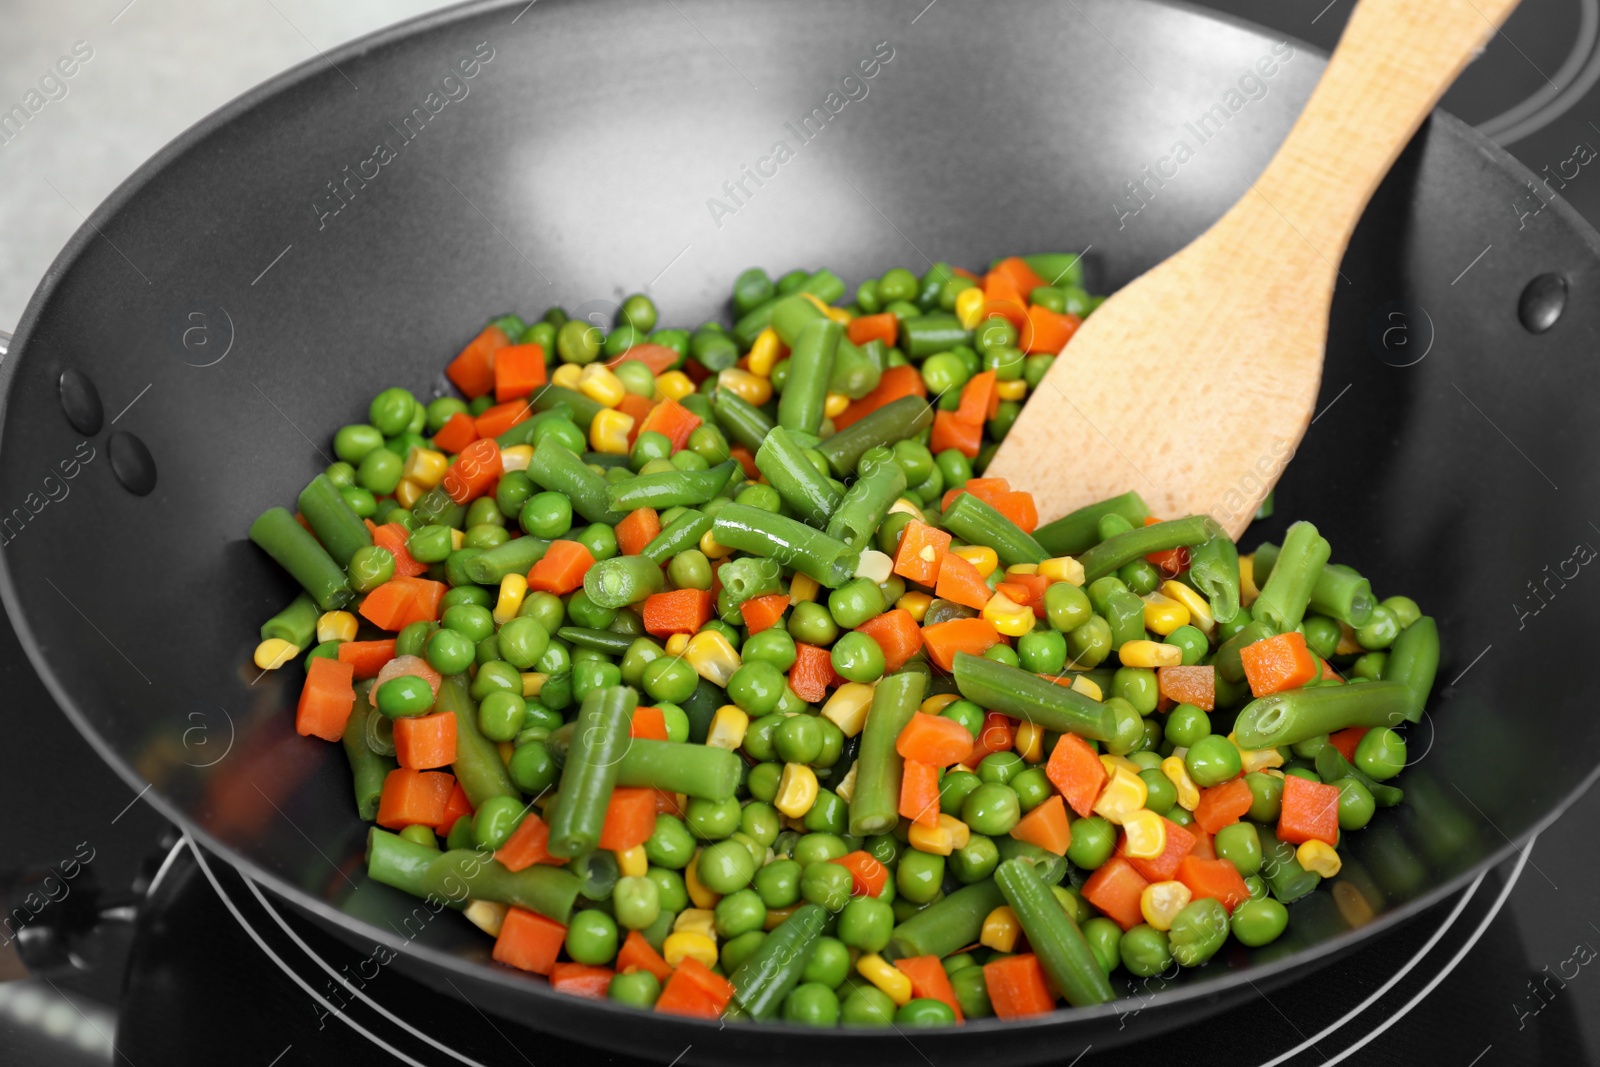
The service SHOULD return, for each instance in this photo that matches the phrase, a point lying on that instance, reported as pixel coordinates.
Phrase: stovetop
(1497, 974)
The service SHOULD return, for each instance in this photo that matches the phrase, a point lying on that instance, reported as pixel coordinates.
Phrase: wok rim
(1064, 1018)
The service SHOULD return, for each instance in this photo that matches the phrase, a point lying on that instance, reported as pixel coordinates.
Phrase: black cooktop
(1501, 973)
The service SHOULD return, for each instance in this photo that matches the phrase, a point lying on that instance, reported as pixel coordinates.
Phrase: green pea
(924, 1012)
(500, 716)
(1140, 576)
(391, 410)
(1321, 633)
(827, 884)
(1042, 651)
(829, 814)
(712, 820)
(1032, 787)
(972, 993)
(865, 923)
(466, 594)
(1162, 794)
(485, 536)
(974, 861)
(1404, 610)
(592, 937)
(944, 373)
(810, 622)
(522, 641)
(638, 988)
(471, 621)
(757, 495)
(379, 471)
(1370, 666)
(725, 866)
(1136, 685)
(855, 602)
(360, 500)
(1000, 767)
(819, 848)
(966, 713)
(690, 569)
(561, 432)
(578, 341)
(1129, 734)
(991, 809)
(1356, 806)
(1266, 797)
(763, 781)
(1380, 754)
(670, 844)
(858, 658)
(1089, 643)
(772, 646)
(370, 566)
(1259, 922)
(670, 886)
(1002, 654)
(954, 788)
(1191, 642)
(496, 676)
(1186, 725)
(811, 1004)
(1240, 845)
(430, 544)
(1145, 951)
(495, 820)
(636, 901)
(1105, 939)
(1093, 841)
(352, 443)
(599, 539)
(1198, 931)
(798, 739)
(440, 411)
(413, 639)
(1212, 760)
(532, 768)
(920, 874)
(404, 696)
(421, 835)
(756, 687)
(778, 883)
(1381, 628)
(670, 679)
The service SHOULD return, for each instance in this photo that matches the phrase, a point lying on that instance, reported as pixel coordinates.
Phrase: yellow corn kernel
(938, 702)
(1162, 614)
(1200, 616)
(1016, 390)
(1000, 929)
(1022, 568)
(1161, 901)
(675, 385)
(915, 605)
(533, 683)
(696, 921)
(1257, 759)
(712, 657)
(847, 785)
(513, 588)
(834, 405)
(1320, 857)
(1124, 793)
(632, 862)
(566, 375)
(1062, 569)
(839, 315)
(980, 556)
(407, 493)
(803, 589)
(1273, 772)
(609, 431)
(711, 549)
(1145, 834)
(677, 644)
(274, 652)
(698, 947)
(505, 750)
(486, 915)
(906, 506)
(960, 832)
(1088, 687)
(886, 976)
(765, 352)
(699, 895)
(728, 727)
(1150, 654)
(516, 458)
(1029, 742)
(1178, 774)
(751, 388)
(797, 790)
(775, 916)
(969, 307)
(935, 840)
(336, 626)
(425, 467)
(598, 384)
(1348, 645)
(1111, 763)
(847, 708)
(1247, 581)
(457, 539)
(1014, 620)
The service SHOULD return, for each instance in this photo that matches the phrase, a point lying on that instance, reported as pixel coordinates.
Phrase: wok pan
(250, 288)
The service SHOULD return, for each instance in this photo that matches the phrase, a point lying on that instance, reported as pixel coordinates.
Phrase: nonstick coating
(218, 293)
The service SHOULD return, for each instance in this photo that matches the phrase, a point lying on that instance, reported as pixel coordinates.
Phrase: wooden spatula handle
(1394, 62)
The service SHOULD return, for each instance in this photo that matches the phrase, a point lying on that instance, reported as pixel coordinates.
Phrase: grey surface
(158, 66)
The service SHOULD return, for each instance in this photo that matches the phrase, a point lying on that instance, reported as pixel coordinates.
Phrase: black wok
(245, 308)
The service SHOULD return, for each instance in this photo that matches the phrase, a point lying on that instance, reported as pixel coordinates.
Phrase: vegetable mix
(705, 672)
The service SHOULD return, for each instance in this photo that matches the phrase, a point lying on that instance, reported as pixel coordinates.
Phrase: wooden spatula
(1194, 384)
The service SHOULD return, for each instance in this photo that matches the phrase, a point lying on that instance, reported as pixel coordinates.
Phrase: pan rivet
(81, 401)
(1542, 302)
(132, 463)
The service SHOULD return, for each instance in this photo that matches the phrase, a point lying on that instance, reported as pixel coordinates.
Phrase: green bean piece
(367, 768)
(946, 925)
(1263, 560)
(477, 766)
(583, 408)
(590, 771)
(1214, 570)
(867, 501)
(767, 975)
(1282, 872)
(622, 580)
(612, 644)
(1060, 269)
(556, 469)
(394, 861)
(296, 623)
(750, 576)
(468, 874)
(744, 423)
(811, 362)
(435, 508)
(335, 523)
(1227, 661)
(680, 534)
(1113, 553)
(789, 541)
(671, 489)
(788, 470)
(978, 523)
(1300, 714)
(676, 767)
(1343, 594)
(925, 335)
(875, 804)
(1079, 531)
(1049, 867)
(1332, 766)
(855, 374)
(1287, 593)
(1025, 695)
(1413, 662)
(1052, 935)
(526, 431)
(516, 556)
(893, 422)
(278, 534)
